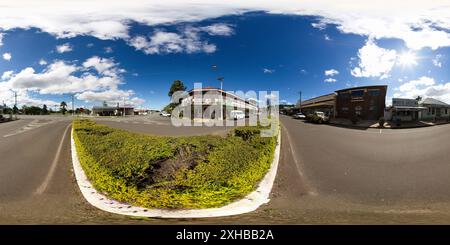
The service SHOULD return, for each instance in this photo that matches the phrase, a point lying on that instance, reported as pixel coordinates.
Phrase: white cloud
(7, 74)
(270, 71)
(331, 72)
(330, 80)
(188, 41)
(437, 60)
(424, 87)
(113, 96)
(419, 23)
(42, 62)
(7, 56)
(218, 30)
(319, 25)
(64, 48)
(103, 66)
(328, 38)
(108, 50)
(374, 61)
(96, 79)
(1, 39)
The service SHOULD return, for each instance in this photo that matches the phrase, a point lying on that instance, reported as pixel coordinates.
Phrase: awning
(408, 108)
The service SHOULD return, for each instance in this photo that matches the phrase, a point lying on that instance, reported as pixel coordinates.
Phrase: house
(404, 110)
(435, 110)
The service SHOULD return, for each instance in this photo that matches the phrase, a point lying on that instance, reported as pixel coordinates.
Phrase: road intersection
(326, 174)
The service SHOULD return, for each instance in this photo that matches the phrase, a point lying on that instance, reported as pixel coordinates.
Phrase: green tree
(44, 110)
(15, 110)
(177, 85)
(63, 106)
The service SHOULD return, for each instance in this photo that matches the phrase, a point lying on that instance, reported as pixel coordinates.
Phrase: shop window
(357, 93)
(374, 92)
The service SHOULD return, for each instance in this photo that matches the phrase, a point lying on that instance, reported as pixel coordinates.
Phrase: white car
(299, 116)
(165, 114)
(236, 114)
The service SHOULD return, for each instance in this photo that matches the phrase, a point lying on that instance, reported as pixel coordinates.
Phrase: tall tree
(177, 85)
(44, 110)
(63, 106)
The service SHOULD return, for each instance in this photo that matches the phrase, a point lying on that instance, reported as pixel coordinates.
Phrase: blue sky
(254, 50)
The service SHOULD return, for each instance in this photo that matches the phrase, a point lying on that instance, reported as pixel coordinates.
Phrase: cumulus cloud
(437, 60)
(113, 96)
(330, 80)
(64, 48)
(188, 40)
(270, 71)
(218, 30)
(374, 61)
(7, 56)
(1, 39)
(419, 23)
(424, 87)
(97, 78)
(331, 72)
(7, 74)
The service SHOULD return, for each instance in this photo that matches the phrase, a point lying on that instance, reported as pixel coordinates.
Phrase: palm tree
(63, 106)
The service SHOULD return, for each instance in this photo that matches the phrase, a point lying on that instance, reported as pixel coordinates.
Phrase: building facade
(435, 110)
(324, 103)
(404, 110)
(206, 102)
(366, 103)
(112, 110)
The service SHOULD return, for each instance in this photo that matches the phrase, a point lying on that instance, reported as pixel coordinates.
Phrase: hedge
(173, 172)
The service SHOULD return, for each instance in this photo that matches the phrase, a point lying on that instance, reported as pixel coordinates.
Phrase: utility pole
(123, 106)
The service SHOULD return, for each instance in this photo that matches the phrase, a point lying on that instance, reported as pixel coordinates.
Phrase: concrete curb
(248, 204)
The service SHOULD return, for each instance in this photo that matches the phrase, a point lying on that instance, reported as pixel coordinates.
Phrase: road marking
(49, 176)
(32, 125)
(299, 171)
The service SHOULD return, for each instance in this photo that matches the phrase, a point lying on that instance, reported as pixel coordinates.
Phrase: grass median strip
(173, 172)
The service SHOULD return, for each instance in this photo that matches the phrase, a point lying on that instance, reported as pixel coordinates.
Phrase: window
(357, 93)
(344, 108)
(372, 108)
(374, 92)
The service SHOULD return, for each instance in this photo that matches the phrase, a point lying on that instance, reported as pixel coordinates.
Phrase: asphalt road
(326, 174)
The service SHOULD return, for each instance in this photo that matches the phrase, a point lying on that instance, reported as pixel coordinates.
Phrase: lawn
(173, 172)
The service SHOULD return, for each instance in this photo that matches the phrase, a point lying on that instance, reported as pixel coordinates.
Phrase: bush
(168, 172)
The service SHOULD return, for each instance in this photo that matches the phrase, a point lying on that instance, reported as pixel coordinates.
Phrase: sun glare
(407, 59)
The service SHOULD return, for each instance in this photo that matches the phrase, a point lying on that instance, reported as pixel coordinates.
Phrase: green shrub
(169, 172)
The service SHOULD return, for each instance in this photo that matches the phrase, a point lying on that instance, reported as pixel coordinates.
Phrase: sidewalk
(365, 124)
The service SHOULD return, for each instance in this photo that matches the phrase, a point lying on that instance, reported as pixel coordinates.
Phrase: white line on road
(49, 176)
(299, 171)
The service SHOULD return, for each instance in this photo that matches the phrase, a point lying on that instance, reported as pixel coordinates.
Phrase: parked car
(164, 114)
(299, 116)
(318, 117)
(237, 114)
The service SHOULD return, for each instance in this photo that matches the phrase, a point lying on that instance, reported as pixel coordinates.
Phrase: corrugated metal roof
(431, 101)
(321, 99)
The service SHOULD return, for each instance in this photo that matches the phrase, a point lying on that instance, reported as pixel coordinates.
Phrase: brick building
(367, 103)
